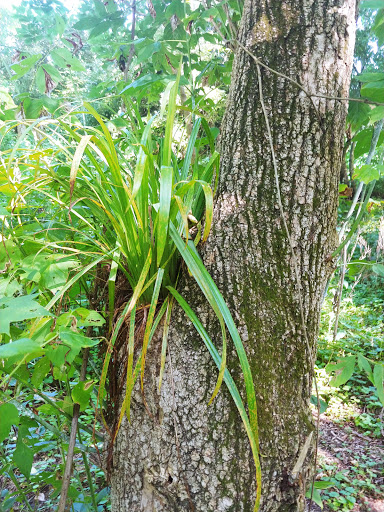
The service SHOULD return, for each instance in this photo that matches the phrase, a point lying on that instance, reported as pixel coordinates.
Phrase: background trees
(49, 231)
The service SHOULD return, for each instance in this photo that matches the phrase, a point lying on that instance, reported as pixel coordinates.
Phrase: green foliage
(134, 205)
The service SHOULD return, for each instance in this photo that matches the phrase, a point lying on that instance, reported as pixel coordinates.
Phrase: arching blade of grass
(190, 148)
(208, 207)
(232, 388)
(127, 310)
(166, 183)
(164, 342)
(126, 407)
(85, 140)
(167, 149)
(223, 361)
(214, 297)
(151, 314)
(141, 159)
(112, 285)
(75, 278)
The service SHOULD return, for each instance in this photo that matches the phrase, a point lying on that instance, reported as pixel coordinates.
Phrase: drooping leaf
(18, 309)
(40, 80)
(23, 457)
(367, 173)
(9, 415)
(53, 72)
(88, 318)
(40, 371)
(343, 369)
(76, 340)
(378, 377)
(81, 393)
(20, 348)
(323, 403)
(315, 496)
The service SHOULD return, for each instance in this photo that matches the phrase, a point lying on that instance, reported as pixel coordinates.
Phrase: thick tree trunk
(189, 456)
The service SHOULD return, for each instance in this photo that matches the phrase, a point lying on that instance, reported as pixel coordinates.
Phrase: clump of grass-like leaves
(134, 212)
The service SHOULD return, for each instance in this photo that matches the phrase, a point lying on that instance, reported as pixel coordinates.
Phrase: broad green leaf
(23, 457)
(9, 415)
(343, 369)
(11, 254)
(100, 29)
(59, 355)
(371, 77)
(315, 496)
(81, 393)
(376, 114)
(64, 58)
(60, 24)
(378, 269)
(88, 318)
(367, 173)
(378, 377)
(147, 52)
(52, 72)
(75, 340)
(358, 114)
(373, 91)
(25, 65)
(86, 23)
(58, 60)
(40, 371)
(32, 107)
(323, 404)
(40, 80)
(19, 309)
(372, 4)
(363, 141)
(51, 104)
(323, 484)
(364, 365)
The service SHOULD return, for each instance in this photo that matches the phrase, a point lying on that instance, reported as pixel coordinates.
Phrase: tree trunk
(189, 456)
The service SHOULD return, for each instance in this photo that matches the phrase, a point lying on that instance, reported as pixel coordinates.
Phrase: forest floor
(354, 462)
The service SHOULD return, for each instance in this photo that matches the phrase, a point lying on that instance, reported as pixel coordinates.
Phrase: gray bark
(189, 456)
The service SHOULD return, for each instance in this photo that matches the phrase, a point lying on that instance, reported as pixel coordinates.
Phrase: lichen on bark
(189, 456)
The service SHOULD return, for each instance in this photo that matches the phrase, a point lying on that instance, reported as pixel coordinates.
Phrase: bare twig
(310, 95)
(72, 441)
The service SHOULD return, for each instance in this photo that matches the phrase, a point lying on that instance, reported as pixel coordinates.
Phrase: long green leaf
(232, 388)
(167, 152)
(148, 326)
(166, 182)
(214, 297)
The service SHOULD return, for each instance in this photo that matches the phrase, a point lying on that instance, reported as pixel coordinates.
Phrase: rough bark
(193, 457)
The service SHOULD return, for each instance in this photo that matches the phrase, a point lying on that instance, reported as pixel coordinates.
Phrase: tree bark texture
(191, 456)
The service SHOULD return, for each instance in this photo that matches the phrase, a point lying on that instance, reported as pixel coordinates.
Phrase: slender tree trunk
(189, 456)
